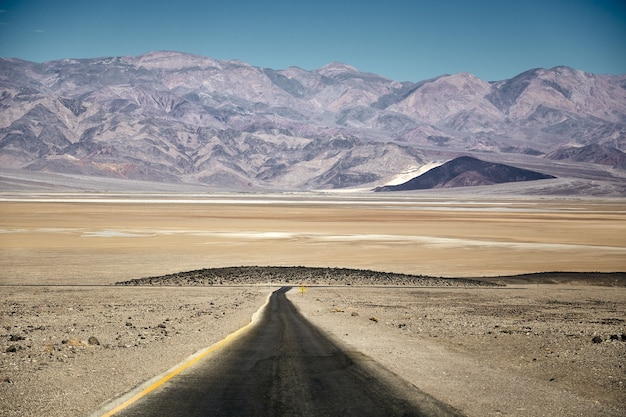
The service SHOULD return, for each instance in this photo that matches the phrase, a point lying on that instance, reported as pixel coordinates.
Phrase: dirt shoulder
(523, 351)
(66, 350)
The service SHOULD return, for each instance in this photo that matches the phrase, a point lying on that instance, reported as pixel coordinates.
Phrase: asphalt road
(284, 366)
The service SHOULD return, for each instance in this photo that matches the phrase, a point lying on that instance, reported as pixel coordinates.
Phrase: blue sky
(405, 40)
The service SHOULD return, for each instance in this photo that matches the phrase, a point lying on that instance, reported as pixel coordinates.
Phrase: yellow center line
(190, 362)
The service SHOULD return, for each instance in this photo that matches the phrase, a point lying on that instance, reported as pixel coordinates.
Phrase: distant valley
(177, 121)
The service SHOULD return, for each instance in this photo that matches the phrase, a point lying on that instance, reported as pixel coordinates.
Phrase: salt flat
(99, 241)
(96, 239)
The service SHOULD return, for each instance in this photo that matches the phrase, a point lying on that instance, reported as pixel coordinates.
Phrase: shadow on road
(285, 366)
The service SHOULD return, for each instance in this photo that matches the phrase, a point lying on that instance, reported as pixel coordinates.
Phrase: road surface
(284, 366)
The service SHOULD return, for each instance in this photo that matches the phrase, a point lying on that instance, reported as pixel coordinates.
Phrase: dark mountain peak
(466, 171)
(464, 160)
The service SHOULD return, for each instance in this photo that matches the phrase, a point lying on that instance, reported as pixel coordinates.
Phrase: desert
(240, 209)
(528, 346)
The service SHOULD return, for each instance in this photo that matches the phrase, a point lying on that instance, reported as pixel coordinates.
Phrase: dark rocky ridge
(299, 275)
(604, 279)
(466, 171)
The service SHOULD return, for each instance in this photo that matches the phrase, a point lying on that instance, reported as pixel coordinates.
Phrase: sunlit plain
(100, 241)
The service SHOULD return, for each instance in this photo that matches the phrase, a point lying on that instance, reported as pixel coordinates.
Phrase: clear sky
(405, 40)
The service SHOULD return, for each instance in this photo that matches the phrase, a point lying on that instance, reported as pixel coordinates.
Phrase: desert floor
(104, 240)
(515, 351)
(70, 341)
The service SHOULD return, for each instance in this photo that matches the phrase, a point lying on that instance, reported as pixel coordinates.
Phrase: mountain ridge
(594, 153)
(466, 171)
(181, 118)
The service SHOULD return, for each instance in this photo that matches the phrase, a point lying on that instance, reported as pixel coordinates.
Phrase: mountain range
(175, 118)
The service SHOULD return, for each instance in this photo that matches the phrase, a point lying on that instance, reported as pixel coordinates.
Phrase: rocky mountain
(177, 118)
(594, 153)
(466, 171)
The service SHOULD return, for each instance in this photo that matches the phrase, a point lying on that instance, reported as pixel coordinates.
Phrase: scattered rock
(72, 342)
(374, 319)
(57, 348)
(597, 339)
(304, 275)
(354, 314)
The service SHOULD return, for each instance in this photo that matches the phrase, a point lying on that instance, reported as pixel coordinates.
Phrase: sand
(141, 333)
(517, 351)
(524, 350)
(100, 241)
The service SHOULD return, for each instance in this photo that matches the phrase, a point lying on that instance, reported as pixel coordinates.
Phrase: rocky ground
(526, 349)
(300, 275)
(66, 350)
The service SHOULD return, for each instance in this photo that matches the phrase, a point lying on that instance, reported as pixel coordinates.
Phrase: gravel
(520, 350)
(300, 275)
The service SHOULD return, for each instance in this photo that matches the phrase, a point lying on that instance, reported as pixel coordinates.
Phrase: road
(284, 366)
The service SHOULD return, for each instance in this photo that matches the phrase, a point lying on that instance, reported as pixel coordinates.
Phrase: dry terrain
(108, 238)
(70, 339)
(532, 350)
(68, 349)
